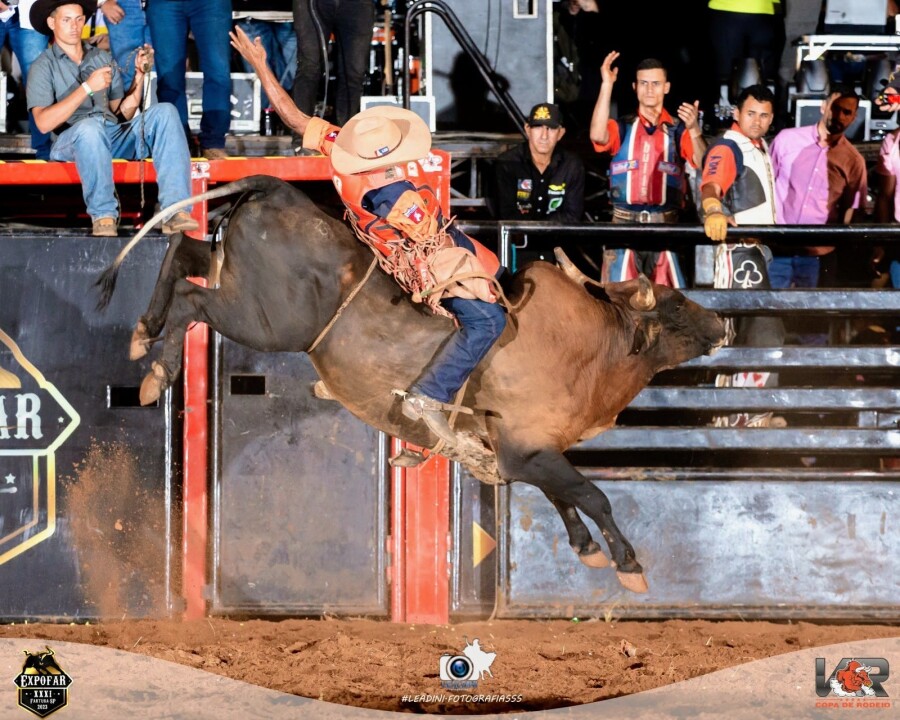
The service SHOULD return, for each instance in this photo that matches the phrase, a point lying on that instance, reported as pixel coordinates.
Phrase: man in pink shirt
(820, 179)
(887, 208)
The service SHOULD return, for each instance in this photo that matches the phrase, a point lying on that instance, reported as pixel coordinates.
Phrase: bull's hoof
(636, 582)
(592, 556)
(153, 385)
(321, 391)
(140, 342)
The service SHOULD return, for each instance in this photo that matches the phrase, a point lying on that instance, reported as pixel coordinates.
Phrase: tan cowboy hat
(378, 137)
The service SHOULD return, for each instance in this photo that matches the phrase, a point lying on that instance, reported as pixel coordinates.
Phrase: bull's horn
(568, 267)
(643, 299)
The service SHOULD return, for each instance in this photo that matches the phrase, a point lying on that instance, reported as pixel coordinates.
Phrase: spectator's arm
(690, 116)
(50, 117)
(112, 12)
(127, 106)
(253, 52)
(884, 204)
(600, 119)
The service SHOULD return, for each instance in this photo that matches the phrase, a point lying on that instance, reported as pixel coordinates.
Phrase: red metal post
(420, 517)
(195, 499)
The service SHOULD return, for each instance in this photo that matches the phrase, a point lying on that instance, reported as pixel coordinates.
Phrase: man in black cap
(75, 90)
(538, 180)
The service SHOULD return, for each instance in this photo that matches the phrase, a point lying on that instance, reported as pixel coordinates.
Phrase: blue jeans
(93, 143)
(352, 22)
(27, 45)
(210, 22)
(800, 272)
(481, 323)
(280, 42)
(126, 37)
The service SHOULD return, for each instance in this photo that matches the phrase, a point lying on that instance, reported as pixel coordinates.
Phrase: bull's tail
(107, 280)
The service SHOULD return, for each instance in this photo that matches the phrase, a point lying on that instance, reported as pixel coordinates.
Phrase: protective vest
(752, 196)
(754, 7)
(383, 237)
(648, 170)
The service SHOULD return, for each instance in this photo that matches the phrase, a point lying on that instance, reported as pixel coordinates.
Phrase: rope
(347, 301)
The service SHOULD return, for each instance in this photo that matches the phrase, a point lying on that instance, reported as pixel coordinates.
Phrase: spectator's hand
(100, 79)
(576, 6)
(715, 222)
(608, 73)
(112, 11)
(251, 50)
(690, 115)
(143, 60)
(892, 101)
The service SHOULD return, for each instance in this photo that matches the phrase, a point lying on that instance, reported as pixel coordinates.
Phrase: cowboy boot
(417, 406)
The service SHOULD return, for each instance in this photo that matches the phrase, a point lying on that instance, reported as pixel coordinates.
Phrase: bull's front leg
(580, 540)
(189, 304)
(185, 257)
(549, 471)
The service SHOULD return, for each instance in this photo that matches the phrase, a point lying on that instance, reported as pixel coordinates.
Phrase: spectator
(537, 180)
(26, 44)
(647, 171)
(351, 22)
(209, 21)
(886, 261)
(128, 31)
(737, 180)
(75, 91)
(820, 179)
(374, 164)
(746, 29)
(272, 22)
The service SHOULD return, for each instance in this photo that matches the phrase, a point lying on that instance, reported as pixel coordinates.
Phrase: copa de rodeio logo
(854, 682)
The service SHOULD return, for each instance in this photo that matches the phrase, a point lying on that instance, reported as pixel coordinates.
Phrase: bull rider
(378, 170)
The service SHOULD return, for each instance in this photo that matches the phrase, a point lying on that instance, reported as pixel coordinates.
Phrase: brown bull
(567, 364)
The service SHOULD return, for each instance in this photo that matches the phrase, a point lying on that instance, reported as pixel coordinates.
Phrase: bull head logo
(40, 663)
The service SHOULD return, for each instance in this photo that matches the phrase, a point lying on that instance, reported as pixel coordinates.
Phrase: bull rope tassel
(347, 301)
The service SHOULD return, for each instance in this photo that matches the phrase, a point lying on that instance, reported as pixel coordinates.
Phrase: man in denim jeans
(75, 91)
(128, 31)
(26, 44)
(209, 21)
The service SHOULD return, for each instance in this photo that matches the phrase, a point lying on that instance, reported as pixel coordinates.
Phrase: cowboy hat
(378, 137)
(42, 9)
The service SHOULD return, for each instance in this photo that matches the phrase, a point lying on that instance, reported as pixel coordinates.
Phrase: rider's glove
(715, 224)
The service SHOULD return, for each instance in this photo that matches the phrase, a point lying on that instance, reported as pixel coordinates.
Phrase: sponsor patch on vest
(554, 204)
(414, 213)
(668, 168)
(332, 136)
(522, 195)
(524, 184)
(621, 166)
(559, 189)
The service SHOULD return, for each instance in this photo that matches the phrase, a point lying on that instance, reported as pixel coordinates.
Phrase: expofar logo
(462, 672)
(35, 420)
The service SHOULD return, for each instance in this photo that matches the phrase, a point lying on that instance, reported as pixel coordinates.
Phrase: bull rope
(353, 293)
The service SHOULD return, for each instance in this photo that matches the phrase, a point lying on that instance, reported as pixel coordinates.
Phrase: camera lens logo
(462, 672)
(456, 667)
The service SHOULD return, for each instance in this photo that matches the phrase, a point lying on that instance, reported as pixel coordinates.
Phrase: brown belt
(645, 216)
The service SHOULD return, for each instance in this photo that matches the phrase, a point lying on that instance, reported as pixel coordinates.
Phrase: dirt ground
(373, 664)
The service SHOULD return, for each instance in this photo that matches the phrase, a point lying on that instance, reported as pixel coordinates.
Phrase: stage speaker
(807, 111)
(516, 37)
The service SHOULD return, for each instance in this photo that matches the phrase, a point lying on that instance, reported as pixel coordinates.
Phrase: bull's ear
(645, 336)
(643, 298)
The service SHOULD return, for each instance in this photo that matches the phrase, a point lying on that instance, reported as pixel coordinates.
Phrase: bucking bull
(572, 357)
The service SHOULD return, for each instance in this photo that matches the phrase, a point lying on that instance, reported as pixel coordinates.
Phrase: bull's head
(665, 321)
(854, 676)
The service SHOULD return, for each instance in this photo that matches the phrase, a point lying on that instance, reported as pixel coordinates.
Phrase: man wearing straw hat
(379, 172)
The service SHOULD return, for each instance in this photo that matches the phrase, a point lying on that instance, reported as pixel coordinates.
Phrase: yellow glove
(715, 224)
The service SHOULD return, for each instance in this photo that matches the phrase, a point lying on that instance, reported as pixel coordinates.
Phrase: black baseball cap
(545, 114)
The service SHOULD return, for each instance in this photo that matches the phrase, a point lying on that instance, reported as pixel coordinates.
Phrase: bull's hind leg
(549, 471)
(185, 257)
(587, 549)
(190, 303)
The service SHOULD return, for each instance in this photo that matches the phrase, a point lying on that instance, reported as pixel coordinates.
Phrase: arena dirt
(373, 664)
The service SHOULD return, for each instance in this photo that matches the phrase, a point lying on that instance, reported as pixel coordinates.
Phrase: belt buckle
(644, 217)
